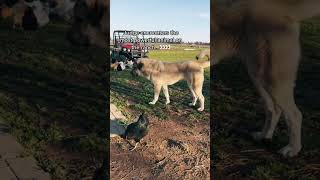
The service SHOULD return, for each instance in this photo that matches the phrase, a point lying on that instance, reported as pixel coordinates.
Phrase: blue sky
(190, 17)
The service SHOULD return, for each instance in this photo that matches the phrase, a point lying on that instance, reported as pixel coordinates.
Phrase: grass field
(236, 107)
(52, 97)
(132, 94)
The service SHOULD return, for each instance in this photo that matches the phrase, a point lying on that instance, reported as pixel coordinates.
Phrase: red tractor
(127, 46)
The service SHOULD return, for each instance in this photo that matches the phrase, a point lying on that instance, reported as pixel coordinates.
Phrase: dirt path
(171, 150)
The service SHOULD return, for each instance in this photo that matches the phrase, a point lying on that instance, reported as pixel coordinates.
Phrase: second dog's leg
(166, 93)
(157, 89)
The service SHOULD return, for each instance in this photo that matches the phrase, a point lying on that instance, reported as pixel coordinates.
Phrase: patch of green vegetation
(176, 53)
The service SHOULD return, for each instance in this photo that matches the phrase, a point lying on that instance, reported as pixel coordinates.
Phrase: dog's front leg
(157, 89)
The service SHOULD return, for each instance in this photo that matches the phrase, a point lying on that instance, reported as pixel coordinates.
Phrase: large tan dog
(265, 35)
(163, 74)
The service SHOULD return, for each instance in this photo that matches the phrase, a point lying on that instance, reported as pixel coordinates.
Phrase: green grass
(176, 53)
(52, 98)
(236, 105)
(125, 89)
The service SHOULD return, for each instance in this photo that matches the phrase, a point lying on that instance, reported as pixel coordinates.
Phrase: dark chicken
(137, 130)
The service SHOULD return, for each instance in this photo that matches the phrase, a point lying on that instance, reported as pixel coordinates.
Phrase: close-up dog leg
(166, 93)
(277, 42)
(283, 83)
(157, 89)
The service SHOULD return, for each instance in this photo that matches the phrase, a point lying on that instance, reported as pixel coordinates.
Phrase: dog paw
(200, 109)
(290, 151)
(191, 104)
(168, 102)
(152, 102)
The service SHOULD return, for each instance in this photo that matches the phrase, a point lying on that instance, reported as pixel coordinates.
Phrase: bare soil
(173, 149)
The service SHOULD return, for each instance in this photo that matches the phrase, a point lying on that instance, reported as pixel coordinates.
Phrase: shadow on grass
(84, 103)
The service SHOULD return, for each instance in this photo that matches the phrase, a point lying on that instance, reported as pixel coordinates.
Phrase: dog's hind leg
(194, 96)
(199, 94)
(283, 95)
(272, 112)
(285, 62)
(257, 59)
(166, 93)
(197, 87)
(282, 91)
(157, 89)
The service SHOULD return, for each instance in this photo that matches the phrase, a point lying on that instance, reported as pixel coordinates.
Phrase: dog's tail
(296, 10)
